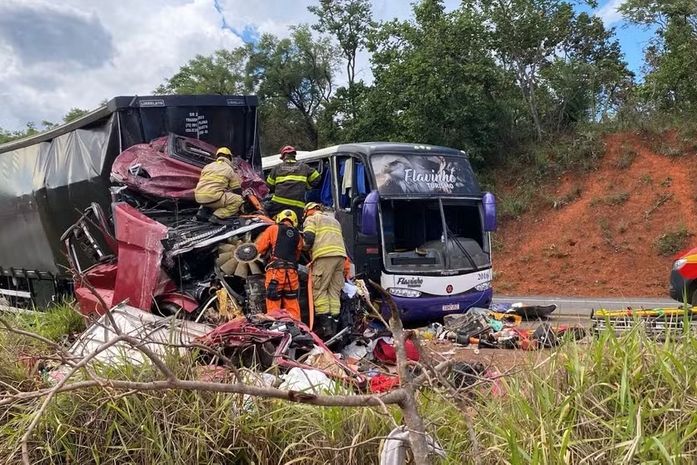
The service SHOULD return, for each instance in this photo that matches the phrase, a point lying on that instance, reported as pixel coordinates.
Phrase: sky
(59, 54)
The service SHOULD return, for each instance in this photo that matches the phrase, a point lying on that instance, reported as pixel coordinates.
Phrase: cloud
(42, 33)
(608, 12)
(95, 51)
(59, 54)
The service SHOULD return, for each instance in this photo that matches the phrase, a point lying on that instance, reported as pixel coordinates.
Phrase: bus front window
(433, 235)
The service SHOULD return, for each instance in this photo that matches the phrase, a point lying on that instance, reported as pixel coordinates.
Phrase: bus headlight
(402, 292)
(483, 286)
(679, 263)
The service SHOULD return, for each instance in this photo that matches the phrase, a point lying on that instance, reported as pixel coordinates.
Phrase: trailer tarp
(46, 180)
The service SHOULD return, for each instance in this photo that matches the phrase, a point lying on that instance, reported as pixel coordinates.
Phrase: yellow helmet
(288, 215)
(223, 151)
(312, 206)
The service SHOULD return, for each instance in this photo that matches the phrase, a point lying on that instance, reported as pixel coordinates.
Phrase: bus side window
(353, 182)
(322, 193)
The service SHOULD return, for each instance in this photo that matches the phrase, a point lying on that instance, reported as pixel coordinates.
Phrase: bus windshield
(434, 235)
(420, 174)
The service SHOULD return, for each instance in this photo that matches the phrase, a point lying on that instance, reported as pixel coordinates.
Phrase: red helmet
(287, 150)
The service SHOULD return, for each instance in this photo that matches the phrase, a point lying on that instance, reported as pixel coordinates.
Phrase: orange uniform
(284, 244)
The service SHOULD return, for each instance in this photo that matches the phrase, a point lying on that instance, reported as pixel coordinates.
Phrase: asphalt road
(578, 309)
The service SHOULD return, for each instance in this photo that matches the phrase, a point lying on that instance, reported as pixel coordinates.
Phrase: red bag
(385, 351)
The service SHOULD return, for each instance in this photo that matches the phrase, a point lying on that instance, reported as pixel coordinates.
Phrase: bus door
(351, 188)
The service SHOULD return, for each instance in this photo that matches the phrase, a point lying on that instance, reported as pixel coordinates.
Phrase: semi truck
(50, 179)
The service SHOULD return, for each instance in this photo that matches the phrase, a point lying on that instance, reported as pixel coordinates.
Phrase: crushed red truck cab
(155, 255)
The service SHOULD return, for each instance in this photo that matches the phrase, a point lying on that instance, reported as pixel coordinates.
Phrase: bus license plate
(451, 307)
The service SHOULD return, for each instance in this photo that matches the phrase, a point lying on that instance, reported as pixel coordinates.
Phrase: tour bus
(414, 219)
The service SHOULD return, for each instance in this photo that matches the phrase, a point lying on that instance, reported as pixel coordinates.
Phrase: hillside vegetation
(613, 228)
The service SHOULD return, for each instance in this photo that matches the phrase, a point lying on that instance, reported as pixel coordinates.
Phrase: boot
(231, 221)
(333, 325)
(204, 213)
(323, 326)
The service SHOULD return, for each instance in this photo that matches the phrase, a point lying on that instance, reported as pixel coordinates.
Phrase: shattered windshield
(434, 235)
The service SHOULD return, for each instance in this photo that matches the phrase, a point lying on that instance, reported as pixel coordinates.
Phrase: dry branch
(404, 396)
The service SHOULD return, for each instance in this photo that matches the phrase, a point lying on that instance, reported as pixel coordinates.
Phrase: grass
(617, 198)
(537, 164)
(566, 199)
(56, 323)
(518, 202)
(626, 399)
(627, 155)
(673, 242)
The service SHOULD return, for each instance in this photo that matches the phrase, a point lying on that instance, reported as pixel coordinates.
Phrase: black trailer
(48, 179)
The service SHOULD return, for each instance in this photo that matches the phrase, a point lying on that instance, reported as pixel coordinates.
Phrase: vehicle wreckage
(155, 254)
(413, 217)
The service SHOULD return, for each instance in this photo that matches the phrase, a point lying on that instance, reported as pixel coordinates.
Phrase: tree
(28, 131)
(566, 65)
(349, 22)
(435, 82)
(588, 78)
(298, 71)
(671, 57)
(526, 36)
(221, 73)
(73, 114)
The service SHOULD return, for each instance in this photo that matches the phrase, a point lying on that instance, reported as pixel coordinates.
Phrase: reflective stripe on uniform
(271, 181)
(314, 175)
(328, 237)
(328, 251)
(216, 177)
(291, 177)
(324, 229)
(286, 201)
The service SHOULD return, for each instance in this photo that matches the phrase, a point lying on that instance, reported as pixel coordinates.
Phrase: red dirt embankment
(604, 242)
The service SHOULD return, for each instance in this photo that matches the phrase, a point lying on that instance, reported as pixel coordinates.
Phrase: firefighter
(219, 188)
(289, 181)
(284, 244)
(329, 267)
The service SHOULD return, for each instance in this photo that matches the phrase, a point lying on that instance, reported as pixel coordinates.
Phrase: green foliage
(669, 83)
(436, 83)
(222, 73)
(566, 199)
(73, 114)
(519, 201)
(8, 136)
(56, 323)
(617, 400)
(349, 22)
(673, 242)
(296, 72)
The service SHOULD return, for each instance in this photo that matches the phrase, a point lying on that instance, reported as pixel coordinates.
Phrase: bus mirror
(369, 215)
(489, 202)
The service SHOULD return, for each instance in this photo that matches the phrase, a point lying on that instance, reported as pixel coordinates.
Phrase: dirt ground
(603, 243)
